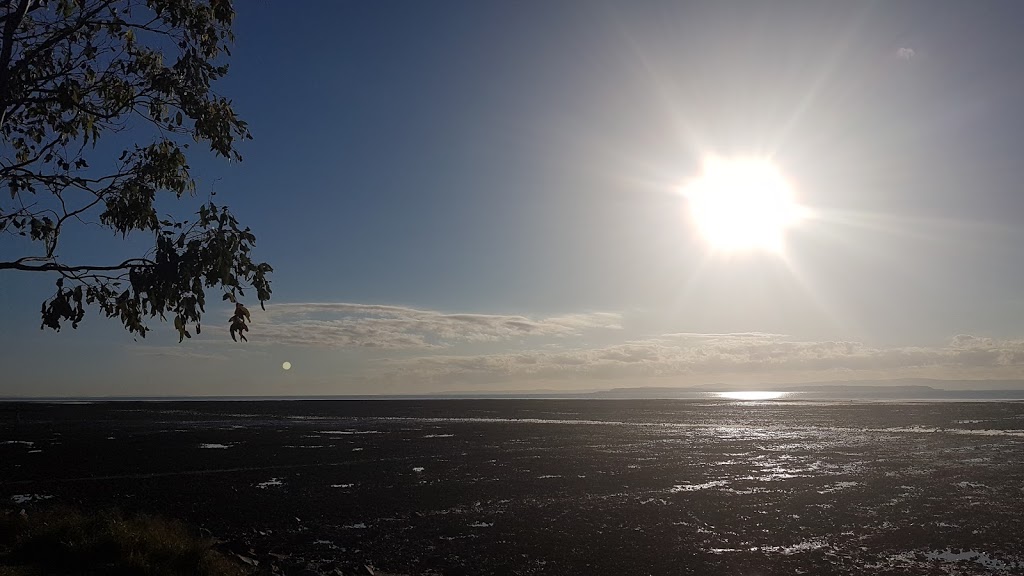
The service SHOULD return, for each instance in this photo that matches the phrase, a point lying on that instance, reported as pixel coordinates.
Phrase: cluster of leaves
(75, 72)
(211, 252)
(239, 321)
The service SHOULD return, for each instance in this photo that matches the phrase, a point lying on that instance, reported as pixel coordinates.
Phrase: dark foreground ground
(548, 486)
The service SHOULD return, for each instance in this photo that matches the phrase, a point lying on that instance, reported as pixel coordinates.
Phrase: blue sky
(486, 196)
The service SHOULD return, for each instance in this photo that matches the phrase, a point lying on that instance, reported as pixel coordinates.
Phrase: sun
(743, 204)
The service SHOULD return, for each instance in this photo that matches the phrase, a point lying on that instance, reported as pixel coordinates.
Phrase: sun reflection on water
(752, 395)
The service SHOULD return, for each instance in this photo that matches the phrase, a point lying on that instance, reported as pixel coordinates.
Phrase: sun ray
(843, 323)
(830, 64)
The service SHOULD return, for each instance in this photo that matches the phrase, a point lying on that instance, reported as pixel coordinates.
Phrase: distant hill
(1016, 385)
(897, 389)
(902, 389)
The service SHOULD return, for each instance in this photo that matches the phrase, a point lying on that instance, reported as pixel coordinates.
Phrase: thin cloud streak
(689, 356)
(179, 352)
(348, 325)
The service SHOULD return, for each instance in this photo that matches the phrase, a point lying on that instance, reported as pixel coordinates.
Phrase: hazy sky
(487, 196)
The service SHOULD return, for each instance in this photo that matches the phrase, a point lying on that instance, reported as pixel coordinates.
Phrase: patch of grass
(64, 540)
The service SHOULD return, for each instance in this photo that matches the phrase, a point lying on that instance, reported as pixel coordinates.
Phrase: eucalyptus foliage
(100, 102)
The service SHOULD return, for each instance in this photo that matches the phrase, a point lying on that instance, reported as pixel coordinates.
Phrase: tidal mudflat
(548, 486)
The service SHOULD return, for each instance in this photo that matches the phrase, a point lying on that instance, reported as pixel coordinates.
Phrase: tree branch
(55, 267)
(13, 20)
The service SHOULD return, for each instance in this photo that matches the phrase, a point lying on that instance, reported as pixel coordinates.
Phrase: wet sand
(549, 486)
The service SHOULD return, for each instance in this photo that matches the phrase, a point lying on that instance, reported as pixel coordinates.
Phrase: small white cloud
(906, 53)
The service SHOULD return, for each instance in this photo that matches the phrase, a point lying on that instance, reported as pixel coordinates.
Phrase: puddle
(933, 430)
(804, 546)
(975, 556)
(837, 487)
(26, 498)
(695, 487)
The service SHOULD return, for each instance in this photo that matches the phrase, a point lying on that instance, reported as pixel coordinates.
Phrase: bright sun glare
(743, 204)
(751, 395)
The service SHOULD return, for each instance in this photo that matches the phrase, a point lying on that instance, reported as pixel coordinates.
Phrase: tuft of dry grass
(64, 540)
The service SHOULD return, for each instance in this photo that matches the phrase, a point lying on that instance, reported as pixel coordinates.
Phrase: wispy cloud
(180, 352)
(697, 355)
(440, 350)
(905, 53)
(341, 325)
